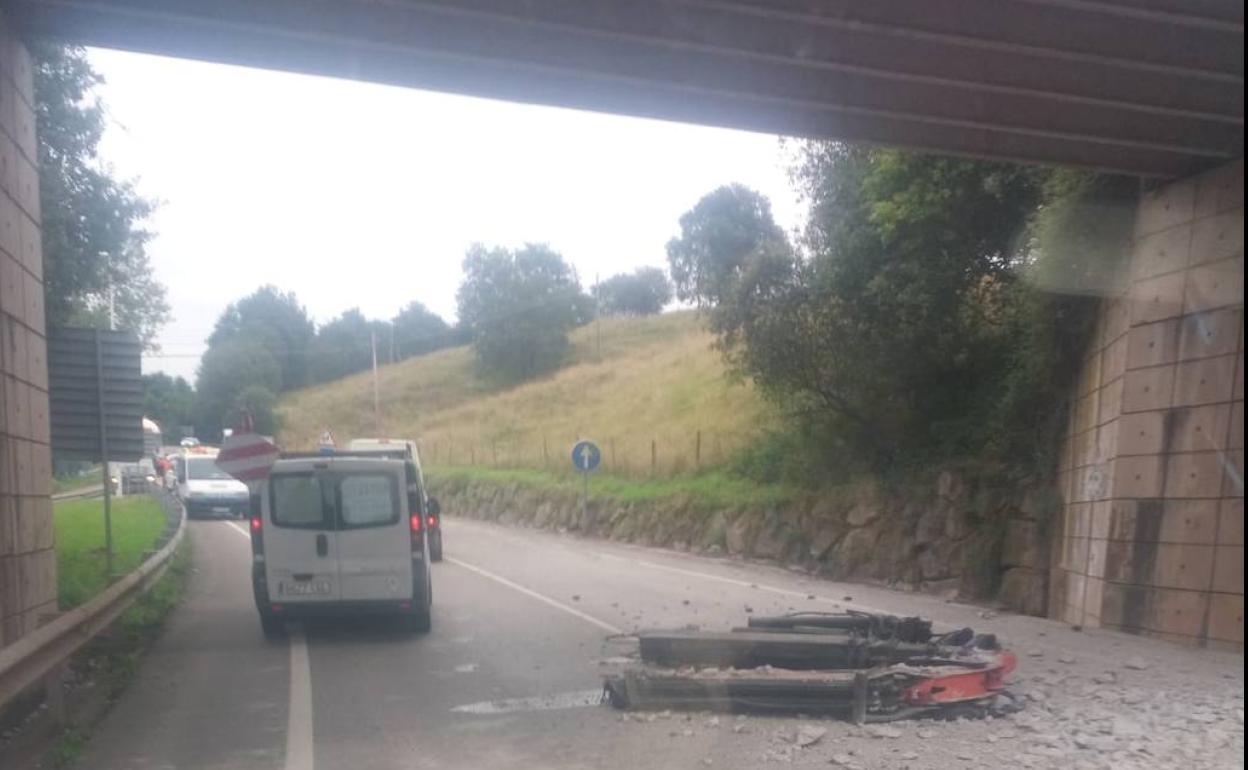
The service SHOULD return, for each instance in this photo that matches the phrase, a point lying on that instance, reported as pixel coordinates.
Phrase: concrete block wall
(27, 558)
(1152, 537)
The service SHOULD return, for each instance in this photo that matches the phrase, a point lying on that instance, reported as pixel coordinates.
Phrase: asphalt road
(509, 676)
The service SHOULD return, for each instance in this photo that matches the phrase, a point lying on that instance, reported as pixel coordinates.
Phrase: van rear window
(298, 500)
(368, 500)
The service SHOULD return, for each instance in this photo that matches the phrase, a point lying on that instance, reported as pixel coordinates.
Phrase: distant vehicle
(406, 448)
(339, 534)
(189, 441)
(203, 488)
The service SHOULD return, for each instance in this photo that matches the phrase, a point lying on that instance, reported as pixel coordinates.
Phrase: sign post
(585, 458)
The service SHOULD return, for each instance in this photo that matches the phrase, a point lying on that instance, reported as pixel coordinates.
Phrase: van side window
(368, 500)
(297, 500)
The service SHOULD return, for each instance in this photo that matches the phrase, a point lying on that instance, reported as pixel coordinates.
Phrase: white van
(203, 488)
(340, 533)
(407, 450)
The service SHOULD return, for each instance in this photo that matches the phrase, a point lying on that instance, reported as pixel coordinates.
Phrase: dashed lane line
(601, 624)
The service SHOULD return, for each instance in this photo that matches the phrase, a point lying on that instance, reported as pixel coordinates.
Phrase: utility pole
(376, 386)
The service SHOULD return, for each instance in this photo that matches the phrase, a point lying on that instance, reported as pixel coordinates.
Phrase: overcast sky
(355, 194)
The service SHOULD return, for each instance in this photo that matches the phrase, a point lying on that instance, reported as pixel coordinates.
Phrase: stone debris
(884, 731)
(1136, 664)
(808, 735)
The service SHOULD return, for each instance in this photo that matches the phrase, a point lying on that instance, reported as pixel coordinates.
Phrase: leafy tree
(94, 241)
(892, 334)
(225, 372)
(345, 346)
(718, 237)
(643, 292)
(170, 401)
(261, 403)
(418, 330)
(276, 321)
(520, 306)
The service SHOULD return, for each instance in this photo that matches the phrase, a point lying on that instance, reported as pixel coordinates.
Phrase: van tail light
(433, 521)
(256, 518)
(257, 535)
(416, 525)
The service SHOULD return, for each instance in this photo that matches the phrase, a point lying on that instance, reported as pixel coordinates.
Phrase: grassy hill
(629, 384)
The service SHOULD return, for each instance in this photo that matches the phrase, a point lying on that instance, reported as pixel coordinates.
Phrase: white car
(340, 534)
(206, 490)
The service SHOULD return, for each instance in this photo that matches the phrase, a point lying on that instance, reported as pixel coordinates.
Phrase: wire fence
(633, 456)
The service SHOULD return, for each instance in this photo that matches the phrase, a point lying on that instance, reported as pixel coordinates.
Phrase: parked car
(340, 534)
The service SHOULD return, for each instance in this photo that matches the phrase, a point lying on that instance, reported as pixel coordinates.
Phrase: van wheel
(419, 621)
(274, 628)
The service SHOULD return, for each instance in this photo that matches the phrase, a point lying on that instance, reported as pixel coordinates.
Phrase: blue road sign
(586, 456)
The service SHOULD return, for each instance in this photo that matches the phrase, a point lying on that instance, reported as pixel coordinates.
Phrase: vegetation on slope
(628, 382)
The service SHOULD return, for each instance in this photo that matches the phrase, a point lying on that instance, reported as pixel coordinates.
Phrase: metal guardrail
(75, 494)
(33, 657)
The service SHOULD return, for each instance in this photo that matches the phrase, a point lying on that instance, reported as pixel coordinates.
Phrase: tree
(261, 404)
(225, 372)
(277, 321)
(345, 345)
(96, 267)
(643, 292)
(520, 306)
(891, 334)
(718, 237)
(418, 330)
(170, 401)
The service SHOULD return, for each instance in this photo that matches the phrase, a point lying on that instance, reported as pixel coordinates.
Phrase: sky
(361, 195)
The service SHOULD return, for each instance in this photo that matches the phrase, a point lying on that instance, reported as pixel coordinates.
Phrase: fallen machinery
(862, 666)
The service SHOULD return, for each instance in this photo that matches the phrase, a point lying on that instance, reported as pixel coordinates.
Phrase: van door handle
(322, 545)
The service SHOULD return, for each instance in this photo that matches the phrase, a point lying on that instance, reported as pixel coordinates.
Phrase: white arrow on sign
(248, 456)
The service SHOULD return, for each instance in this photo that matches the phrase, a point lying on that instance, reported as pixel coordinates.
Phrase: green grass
(713, 490)
(72, 481)
(629, 384)
(80, 558)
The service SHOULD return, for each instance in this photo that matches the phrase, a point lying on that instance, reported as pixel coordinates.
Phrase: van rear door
(300, 542)
(374, 545)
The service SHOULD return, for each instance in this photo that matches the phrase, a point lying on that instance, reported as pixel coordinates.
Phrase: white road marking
(299, 745)
(563, 700)
(745, 583)
(602, 624)
(299, 754)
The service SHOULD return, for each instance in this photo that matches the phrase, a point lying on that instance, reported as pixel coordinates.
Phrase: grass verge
(113, 657)
(81, 563)
(714, 490)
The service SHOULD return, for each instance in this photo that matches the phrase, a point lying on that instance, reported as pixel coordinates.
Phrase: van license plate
(306, 588)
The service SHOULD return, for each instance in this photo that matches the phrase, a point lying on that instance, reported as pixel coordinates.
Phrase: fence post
(697, 451)
(654, 456)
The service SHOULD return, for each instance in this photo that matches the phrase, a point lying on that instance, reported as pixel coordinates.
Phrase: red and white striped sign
(247, 456)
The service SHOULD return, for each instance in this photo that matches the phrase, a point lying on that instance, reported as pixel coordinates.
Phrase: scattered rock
(1136, 664)
(576, 597)
(1109, 677)
(1066, 659)
(910, 756)
(739, 728)
(884, 731)
(1035, 653)
(808, 735)
(927, 734)
(844, 760)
